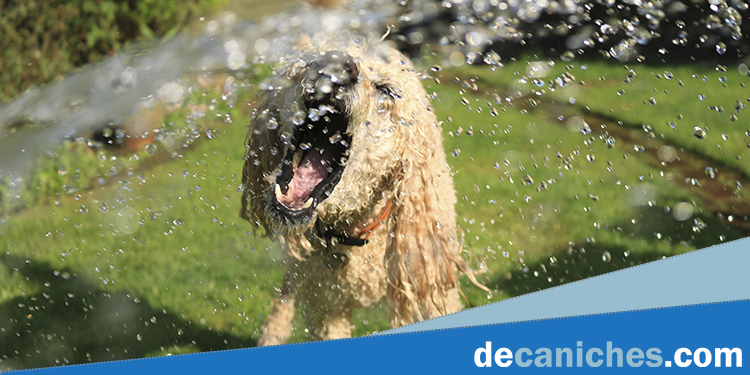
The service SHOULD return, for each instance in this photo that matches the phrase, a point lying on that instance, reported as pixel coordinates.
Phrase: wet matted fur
(358, 108)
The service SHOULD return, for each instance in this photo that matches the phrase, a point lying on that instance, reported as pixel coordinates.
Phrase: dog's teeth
(308, 204)
(278, 191)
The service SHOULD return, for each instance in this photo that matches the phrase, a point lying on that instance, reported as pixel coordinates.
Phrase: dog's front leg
(331, 324)
(277, 328)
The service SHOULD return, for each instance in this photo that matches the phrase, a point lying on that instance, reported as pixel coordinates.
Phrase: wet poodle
(345, 165)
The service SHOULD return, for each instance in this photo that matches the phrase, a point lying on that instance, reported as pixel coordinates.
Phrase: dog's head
(326, 140)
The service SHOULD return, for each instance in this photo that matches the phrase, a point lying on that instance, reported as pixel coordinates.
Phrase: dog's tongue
(312, 170)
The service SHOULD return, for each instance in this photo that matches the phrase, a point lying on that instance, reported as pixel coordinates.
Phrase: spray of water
(107, 92)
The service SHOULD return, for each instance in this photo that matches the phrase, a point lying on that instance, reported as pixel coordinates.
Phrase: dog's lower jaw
(285, 224)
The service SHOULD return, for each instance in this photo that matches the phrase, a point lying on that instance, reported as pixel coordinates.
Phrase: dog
(345, 165)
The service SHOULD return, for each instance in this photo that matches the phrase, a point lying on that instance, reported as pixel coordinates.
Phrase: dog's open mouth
(314, 164)
(319, 147)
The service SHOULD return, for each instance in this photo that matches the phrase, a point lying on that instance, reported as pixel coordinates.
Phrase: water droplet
(666, 153)
(298, 118)
(170, 92)
(606, 256)
(127, 220)
(492, 58)
(236, 60)
(721, 48)
(699, 132)
(683, 211)
(710, 172)
(150, 148)
(336, 138)
(272, 123)
(698, 225)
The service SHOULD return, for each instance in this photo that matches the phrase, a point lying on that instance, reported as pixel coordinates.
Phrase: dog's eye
(388, 90)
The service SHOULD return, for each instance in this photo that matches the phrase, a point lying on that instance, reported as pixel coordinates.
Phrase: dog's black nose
(328, 72)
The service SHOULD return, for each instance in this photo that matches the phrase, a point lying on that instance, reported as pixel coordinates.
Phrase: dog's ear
(262, 155)
(424, 253)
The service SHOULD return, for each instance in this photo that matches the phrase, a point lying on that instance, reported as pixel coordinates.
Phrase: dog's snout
(330, 70)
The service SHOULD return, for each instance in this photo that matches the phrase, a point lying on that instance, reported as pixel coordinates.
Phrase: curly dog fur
(383, 177)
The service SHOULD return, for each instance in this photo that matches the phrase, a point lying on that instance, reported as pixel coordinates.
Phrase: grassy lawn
(156, 260)
(608, 198)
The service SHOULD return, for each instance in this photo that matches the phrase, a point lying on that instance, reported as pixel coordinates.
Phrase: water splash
(466, 30)
(107, 92)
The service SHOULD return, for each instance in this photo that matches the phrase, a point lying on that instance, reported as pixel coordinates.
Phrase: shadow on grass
(591, 258)
(73, 320)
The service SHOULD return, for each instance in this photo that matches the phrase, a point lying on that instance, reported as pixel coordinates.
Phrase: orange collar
(369, 229)
(328, 234)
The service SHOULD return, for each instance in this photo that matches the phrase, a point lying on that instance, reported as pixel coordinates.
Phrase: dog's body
(345, 163)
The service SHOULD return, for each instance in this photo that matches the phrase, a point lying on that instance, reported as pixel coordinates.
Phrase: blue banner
(699, 338)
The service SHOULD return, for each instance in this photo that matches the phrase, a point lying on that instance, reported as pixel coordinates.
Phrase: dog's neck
(360, 239)
(327, 234)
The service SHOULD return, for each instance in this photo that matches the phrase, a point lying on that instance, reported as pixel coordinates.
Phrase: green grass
(668, 101)
(169, 247)
(604, 208)
(158, 261)
(154, 262)
(599, 210)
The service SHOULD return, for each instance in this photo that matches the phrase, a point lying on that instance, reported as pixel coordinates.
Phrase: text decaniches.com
(609, 356)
